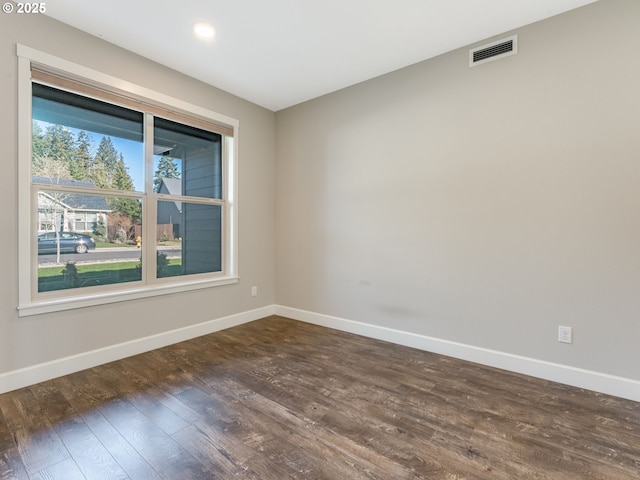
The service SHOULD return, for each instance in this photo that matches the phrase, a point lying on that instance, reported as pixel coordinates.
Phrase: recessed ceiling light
(204, 31)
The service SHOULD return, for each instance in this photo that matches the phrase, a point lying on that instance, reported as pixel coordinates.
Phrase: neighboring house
(74, 212)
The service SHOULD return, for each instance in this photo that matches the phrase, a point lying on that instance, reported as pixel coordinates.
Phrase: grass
(170, 243)
(54, 278)
(103, 244)
(89, 268)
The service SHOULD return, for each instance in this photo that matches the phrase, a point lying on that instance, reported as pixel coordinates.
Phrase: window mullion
(149, 207)
(54, 187)
(186, 198)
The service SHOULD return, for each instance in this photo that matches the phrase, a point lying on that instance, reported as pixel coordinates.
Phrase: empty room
(320, 240)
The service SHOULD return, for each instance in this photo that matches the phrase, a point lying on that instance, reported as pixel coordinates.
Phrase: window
(124, 196)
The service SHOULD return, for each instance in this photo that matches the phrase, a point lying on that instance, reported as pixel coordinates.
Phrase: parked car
(70, 242)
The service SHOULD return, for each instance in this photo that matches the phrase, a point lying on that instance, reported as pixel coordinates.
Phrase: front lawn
(87, 275)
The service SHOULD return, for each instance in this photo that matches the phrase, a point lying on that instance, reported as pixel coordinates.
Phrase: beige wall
(483, 205)
(29, 341)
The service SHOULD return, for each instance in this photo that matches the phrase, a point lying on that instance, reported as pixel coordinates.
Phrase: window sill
(81, 301)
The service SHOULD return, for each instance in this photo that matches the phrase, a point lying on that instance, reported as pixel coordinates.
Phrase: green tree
(38, 144)
(55, 145)
(129, 207)
(58, 143)
(81, 160)
(100, 228)
(167, 168)
(120, 175)
(104, 164)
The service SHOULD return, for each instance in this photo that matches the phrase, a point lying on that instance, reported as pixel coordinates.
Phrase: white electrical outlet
(254, 291)
(565, 334)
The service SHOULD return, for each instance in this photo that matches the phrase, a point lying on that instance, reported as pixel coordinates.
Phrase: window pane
(189, 238)
(82, 140)
(73, 254)
(187, 160)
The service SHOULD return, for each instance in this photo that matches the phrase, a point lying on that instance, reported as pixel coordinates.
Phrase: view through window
(95, 212)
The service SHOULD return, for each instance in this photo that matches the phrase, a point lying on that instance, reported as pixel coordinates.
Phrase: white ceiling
(278, 53)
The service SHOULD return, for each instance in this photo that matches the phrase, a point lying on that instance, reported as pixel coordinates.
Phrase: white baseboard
(64, 366)
(576, 377)
(587, 379)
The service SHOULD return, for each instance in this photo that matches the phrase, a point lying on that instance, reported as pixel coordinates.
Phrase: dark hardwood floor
(279, 399)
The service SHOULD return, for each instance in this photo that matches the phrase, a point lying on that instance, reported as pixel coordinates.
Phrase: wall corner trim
(576, 377)
(24, 377)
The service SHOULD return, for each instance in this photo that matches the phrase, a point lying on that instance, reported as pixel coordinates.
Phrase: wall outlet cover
(565, 334)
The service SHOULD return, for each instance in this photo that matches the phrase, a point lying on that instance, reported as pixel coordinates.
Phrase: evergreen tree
(38, 144)
(54, 147)
(100, 228)
(121, 178)
(104, 164)
(167, 168)
(129, 207)
(81, 160)
(58, 142)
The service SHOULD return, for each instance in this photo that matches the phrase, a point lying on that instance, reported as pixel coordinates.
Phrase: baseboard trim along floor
(64, 366)
(576, 377)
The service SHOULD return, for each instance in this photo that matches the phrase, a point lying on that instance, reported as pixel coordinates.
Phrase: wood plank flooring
(279, 399)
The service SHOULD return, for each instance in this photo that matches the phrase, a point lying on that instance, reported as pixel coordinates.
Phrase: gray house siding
(201, 244)
(202, 235)
(169, 216)
(199, 226)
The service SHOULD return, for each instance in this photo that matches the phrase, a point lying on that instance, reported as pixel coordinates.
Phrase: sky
(133, 153)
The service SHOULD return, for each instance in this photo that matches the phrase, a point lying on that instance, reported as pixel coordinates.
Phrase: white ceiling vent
(493, 51)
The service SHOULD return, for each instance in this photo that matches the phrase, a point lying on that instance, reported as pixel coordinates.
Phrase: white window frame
(32, 303)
